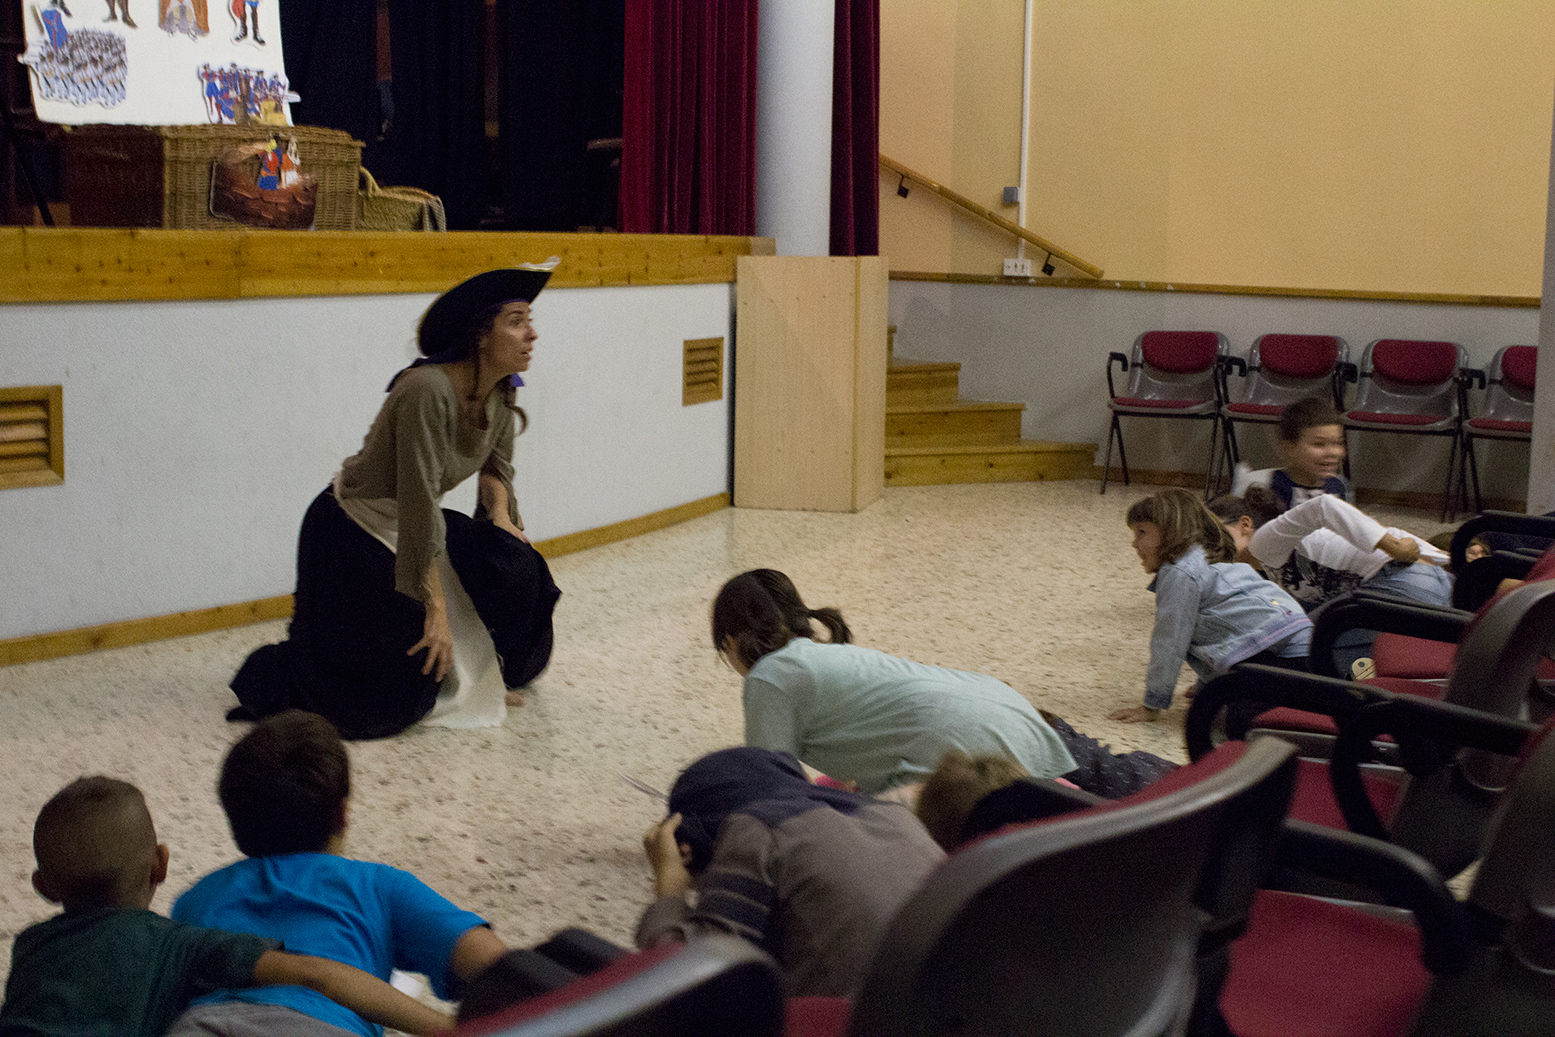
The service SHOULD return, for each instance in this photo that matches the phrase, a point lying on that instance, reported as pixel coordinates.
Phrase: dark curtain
(688, 161)
(855, 130)
(561, 87)
(331, 62)
(438, 134)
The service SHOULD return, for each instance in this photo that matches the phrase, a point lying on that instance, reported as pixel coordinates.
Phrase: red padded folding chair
(1089, 923)
(711, 987)
(1410, 387)
(1507, 409)
(1172, 374)
(1280, 370)
(1308, 967)
(1440, 808)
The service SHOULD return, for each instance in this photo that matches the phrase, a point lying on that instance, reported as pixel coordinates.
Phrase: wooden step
(1026, 461)
(962, 423)
(922, 383)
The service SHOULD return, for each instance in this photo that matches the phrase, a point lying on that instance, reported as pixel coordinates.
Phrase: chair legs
(1472, 462)
(1229, 453)
(1116, 431)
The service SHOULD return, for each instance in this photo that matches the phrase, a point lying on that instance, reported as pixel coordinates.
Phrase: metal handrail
(984, 213)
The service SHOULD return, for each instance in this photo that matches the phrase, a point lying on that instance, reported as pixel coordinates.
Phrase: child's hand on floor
(1134, 714)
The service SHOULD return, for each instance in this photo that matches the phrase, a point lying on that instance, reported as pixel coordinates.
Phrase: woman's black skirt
(344, 657)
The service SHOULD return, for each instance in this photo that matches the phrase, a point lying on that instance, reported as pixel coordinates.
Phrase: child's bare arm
(366, 995)
(476, 949)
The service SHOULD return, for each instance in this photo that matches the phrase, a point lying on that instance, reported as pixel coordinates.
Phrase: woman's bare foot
(1134, 714)
(515, 698)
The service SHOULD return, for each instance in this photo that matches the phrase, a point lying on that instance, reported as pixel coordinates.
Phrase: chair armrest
(1346, 371)
(1539, 526)
(1255, 682)
(1114, 358)
(1228, 362)
(1477, 581)
(1427, 731)
(1368, 610)
(1404, 879)
(1472, 377)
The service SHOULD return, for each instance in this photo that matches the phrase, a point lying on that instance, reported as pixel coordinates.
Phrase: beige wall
(1398, 146)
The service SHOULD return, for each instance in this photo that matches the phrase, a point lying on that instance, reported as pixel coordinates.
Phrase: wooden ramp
(933, 437)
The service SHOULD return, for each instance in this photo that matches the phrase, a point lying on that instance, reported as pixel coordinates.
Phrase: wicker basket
(111, 181)
(397, 208)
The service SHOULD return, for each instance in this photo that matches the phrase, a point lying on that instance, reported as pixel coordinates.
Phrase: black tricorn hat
(441, 335)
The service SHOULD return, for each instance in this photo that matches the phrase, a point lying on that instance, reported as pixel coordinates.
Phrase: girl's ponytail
(831, 619)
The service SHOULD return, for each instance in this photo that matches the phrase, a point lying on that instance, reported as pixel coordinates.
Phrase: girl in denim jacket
(1210, 611)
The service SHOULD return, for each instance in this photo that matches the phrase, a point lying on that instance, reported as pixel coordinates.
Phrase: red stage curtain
(855, 130)
(688, 157)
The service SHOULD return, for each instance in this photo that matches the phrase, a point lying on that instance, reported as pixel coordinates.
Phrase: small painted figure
(61, 5)
(246, 13)
(119, 10)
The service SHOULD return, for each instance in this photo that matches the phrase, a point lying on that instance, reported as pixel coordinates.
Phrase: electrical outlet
(1017, 268)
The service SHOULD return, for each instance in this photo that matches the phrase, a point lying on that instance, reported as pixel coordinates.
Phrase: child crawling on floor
(110, 965)
(1210, 610)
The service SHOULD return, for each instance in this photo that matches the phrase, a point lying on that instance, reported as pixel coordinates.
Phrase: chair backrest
(1085, 924)
(711, 987)
(1175, 365)
(1442, 815)
(1507, 989)
(1282, 369)
(1409, 376)
(1509, 384)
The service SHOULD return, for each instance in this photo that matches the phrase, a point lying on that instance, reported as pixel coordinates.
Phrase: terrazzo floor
(530, 824)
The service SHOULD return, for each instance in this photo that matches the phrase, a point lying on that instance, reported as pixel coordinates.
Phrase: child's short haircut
(956, 786)
(94, 842)
(284, 785)
(1257, 503)
(1312, 412)
(1183, 521)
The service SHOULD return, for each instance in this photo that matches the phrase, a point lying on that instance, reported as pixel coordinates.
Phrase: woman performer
(394, 593)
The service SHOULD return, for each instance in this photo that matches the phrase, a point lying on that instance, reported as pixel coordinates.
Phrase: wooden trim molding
(36, 647)
(91, 265)
(582, 541)
(1502, 301)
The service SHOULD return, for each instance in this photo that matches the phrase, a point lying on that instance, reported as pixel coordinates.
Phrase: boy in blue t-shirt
(1312, 444)
(108, 964)
(284, 787)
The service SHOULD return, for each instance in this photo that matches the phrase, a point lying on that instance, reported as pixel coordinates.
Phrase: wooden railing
(988, 215)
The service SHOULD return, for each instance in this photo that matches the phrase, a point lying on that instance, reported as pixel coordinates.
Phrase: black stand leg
(1106, 464)
(25, 162)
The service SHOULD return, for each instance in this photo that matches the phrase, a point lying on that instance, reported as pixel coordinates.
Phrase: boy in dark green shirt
(109, 965)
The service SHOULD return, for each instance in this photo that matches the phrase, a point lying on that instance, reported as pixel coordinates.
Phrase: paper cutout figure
(279, 196)
(190, 17)
(245, 12)
(117, 6)
(84, 66)
(61, 5)
(236, 96)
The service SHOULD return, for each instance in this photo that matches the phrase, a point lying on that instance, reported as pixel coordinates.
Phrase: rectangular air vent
(32, 440)
(703, 371)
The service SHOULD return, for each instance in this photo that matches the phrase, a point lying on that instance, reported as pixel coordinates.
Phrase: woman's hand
(437, 639)
(1400, 549)
(668, 860)
(1134, 714)
(502, 522)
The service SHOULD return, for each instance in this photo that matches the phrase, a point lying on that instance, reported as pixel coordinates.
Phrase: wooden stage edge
(37, 647)
(40, 265)
(1417, 499)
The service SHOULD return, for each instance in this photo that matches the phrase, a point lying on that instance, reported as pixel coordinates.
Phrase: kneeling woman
(810, 873)
(394, 593)
(857, 714)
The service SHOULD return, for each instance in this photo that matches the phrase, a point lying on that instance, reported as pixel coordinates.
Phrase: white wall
(1047, 347)
(196, 433)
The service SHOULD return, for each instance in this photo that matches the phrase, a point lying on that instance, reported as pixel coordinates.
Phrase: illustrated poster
(156, 62)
